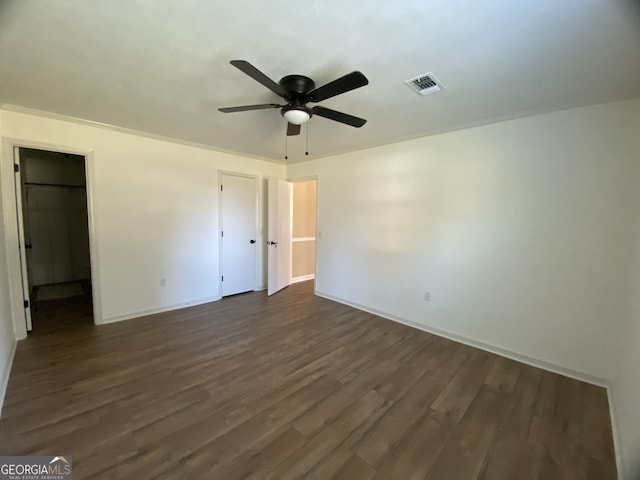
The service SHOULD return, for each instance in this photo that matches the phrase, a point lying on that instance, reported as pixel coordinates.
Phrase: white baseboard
(168, 308)
(534, 362)
(303, 278)
(4, 381)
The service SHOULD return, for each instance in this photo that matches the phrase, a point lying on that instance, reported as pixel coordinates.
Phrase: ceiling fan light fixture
(296, 116)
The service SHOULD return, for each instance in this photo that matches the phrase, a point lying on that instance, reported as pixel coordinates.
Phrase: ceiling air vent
(424, 84)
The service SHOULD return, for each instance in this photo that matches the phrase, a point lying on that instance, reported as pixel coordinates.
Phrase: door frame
(318, 235)
(256, 226)
(19, 179)
(10, 212)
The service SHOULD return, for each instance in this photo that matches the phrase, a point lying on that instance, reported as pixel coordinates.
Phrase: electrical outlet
(163, 282)
(427, 296)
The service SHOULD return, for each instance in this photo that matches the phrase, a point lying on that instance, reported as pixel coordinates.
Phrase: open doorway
(303, 239)
(54, 231)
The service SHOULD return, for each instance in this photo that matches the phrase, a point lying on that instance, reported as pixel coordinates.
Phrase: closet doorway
(51, 191)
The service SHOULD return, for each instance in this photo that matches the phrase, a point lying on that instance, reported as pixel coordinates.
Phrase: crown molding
(129, 131)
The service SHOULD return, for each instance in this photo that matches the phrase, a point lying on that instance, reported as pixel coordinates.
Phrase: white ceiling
(163, 67)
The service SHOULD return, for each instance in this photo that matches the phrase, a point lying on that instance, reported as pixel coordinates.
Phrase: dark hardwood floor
(293, 386)
(58, 315)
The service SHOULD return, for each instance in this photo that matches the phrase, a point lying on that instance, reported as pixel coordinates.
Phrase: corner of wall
(6, 372)
(534, 362)
(7, 327)
(615, 433)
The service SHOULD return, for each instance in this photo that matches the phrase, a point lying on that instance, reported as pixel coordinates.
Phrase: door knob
(28, 246)
(252, 241)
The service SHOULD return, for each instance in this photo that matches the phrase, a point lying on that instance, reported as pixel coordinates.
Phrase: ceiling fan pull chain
(286, 146)
(307, 147)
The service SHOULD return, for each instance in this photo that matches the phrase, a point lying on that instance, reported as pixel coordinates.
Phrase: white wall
(7, 337)
(625, 387)
(519, 230)
(155, 212)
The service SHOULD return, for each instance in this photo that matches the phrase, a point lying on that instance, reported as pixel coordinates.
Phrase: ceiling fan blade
(258, 76)
(246, 108)
(344, 84)
(293, 129)
(338, 116)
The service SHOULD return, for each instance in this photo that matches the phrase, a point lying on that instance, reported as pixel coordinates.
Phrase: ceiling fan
(297, 91)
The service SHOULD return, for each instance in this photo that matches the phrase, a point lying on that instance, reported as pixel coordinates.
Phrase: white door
(279, 239)
(19, 187)
(237, 233)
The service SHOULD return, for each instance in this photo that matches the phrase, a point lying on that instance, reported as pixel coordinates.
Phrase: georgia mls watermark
(35, 468)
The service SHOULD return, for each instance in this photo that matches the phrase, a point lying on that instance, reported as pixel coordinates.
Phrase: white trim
(96, 298)
(316, 269)
(24, 275)
(166, 308)
(11, 240)
(129, 131)
(290, 239)
(534, 362)
(413, 136)
(303, 278)
(306, 178)
(615, 434)
(11, 226)
(303, 239)
(4, 381)
(456, 128)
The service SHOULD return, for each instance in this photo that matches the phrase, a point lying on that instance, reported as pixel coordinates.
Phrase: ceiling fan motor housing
(297, 84)
(297, 87)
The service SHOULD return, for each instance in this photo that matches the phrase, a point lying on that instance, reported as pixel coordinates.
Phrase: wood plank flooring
(288, 387)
